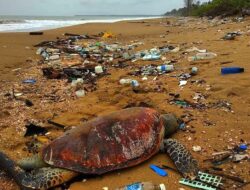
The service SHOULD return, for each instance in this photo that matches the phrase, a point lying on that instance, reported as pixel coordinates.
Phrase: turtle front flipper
(184, 161)
(42, 179)
(45, 178)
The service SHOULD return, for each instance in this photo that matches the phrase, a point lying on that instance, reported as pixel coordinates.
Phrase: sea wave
(35, 25)
(8, 21)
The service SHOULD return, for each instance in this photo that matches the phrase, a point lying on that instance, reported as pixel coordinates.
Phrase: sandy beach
(214, 129)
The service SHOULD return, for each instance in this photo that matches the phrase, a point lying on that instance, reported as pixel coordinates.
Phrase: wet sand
(229, 129)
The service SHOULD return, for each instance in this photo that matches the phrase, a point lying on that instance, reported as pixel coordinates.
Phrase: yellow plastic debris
(108, 35)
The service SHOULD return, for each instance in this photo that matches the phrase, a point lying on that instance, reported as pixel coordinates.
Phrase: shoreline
(69, 23)
(212, 129)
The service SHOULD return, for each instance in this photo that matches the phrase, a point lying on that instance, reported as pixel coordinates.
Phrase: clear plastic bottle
(143, 186)
(125, 81)
(166, 68)
(202, 56)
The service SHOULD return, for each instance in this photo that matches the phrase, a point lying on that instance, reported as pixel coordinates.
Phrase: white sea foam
(35, 25)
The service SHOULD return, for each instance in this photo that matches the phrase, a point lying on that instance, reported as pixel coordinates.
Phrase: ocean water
(36, 23)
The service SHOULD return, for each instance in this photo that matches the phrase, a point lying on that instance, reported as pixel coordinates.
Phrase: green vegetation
(213, 8)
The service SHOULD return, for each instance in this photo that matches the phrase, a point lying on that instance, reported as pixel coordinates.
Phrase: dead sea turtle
(119, 140)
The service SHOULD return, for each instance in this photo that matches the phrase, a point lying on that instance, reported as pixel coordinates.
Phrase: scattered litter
(80, 93)
(194, 71)
(231, 35)
(135, 83)
(183, 83)
(29, 81)
(98, 69)
(108, 35)
(205, 181)
(34, 129)
(196, 148)
(158, 170)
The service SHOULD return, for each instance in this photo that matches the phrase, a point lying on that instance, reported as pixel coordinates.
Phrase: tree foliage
(212, 8)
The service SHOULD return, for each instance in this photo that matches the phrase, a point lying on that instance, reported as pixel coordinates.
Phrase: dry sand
(229, 129)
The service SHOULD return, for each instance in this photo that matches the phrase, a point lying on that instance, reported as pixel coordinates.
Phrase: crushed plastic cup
(77, 81)
(80, 93)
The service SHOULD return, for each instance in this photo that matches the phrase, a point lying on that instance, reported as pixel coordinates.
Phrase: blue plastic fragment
(243, 147)
(29, 81)
(182, 126)
(158, 170)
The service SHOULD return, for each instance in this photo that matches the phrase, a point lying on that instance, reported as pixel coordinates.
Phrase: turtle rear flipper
(184, 161)
(42, 179)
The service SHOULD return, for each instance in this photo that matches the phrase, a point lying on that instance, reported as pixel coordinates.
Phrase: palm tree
(188, 5)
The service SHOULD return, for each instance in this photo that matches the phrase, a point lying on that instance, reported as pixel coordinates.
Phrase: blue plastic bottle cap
(163, 68)
(231, 70)
(158, 170)
(243, 147)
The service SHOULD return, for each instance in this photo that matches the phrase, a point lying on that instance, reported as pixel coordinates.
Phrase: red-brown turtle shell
(115, 141)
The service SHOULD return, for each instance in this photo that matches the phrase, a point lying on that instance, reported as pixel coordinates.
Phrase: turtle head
(171, 124)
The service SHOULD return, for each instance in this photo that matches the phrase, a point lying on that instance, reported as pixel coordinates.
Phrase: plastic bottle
(143, 186)
(232, 70)
(167, 68)
(125, 81)
(202, 56)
